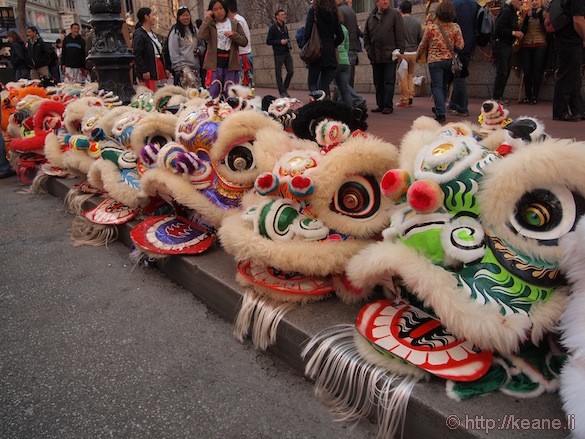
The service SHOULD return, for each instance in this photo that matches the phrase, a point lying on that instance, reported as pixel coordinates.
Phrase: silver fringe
(263, 315)
(353, 388)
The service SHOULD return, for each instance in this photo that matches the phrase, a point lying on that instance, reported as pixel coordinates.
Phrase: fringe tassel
(38, 184)
(74, 201)
(351, 387)
(84, 232)
(140, 257)
(264, 315)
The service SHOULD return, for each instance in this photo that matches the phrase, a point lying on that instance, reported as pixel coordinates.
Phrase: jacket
(506, 23)
(350, 22)
(434, 44)
(73, 53)
(184, 51)
(208, 32)
(383, 34)
(144, 56)
(331, 35)
(275, 34)
(18, 55)
(38, 52)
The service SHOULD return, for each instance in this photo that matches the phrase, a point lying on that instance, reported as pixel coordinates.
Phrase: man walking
(466, 17)
(279, 40)
(413, 32)
(73, 57)
(384, 34)
(38, 54)
(350, 22)
(506, 32)
(568, 103)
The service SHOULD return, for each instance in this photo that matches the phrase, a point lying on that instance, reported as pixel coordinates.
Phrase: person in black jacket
(73, 57)
(279, 39)
(324, 14)
(18, 56)
(37, 54)
(505, 34)
(147, 50)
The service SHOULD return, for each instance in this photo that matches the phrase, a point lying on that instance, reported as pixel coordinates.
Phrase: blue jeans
(440, 76)
(320, 78)
(342, 81)
(459, 98)
(4, 164)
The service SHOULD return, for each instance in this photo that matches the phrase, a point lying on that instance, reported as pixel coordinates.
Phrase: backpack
(485, 27)
(299, 37)
(166, 54)
(558, 16)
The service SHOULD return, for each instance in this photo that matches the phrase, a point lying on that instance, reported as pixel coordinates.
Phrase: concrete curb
(211, 279)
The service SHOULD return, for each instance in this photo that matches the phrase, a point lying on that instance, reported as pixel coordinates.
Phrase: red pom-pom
(504, 150)
(425, 196)
(266, 183)
(395, 183)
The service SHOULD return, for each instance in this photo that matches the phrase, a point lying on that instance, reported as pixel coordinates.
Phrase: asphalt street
(92, 348)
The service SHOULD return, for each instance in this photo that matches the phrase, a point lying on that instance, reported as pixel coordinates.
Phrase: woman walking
(223, 36)
(18, 56)
(533, 53)
(439, 56)
(147, 51)
(324, 14)
(184, 50)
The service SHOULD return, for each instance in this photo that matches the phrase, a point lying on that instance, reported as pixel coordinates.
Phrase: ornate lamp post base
(109, 53)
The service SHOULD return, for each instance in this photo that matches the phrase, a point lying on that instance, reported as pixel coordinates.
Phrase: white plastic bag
(402, 69)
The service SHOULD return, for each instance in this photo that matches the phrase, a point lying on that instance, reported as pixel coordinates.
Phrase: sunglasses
(183, 8)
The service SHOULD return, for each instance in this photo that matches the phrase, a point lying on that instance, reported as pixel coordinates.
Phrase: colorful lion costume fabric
(471, 263)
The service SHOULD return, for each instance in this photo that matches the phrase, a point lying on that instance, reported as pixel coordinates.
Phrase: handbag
(456, 64)
(311, 51)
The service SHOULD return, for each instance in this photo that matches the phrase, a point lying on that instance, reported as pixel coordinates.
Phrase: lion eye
(158, 139)
(240, 158)
(547, 214)
(358, 197)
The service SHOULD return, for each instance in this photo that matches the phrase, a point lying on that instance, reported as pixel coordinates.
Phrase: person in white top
(246, 57)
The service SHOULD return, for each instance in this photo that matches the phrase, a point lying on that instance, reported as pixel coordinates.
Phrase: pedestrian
(351, 24)
(533, 51)
(18, 56)
(569, 40)
(245, 52)
(348, 95)
(223, 36)
(506, 33)
(384, 34)
(37, 54)
(5, 169)
(279, 39)
(413, 35)
(466, 17)
(147, 50)
(439, 54)
(184, 49)
(73, 57)
(322, 71)
(198, 24)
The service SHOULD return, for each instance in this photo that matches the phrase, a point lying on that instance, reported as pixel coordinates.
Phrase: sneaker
(377, 110)
(440, 118)
(387, 111)
(286, 94)
(567, 117)
(458, 113)
(402, 104)
(525, 101)
(363, 105)
(502, 102)
(409, 102)
(533, 102)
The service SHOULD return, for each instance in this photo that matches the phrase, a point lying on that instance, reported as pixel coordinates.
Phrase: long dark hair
(179, 26)
(142, 12)
(325, 5)
(14, 36)
(212, 2)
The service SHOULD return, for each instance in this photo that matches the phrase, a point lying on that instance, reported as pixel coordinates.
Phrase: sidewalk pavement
(391, 127)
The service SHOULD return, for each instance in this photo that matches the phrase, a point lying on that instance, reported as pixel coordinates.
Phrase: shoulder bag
(311, 51)
(456, 65)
